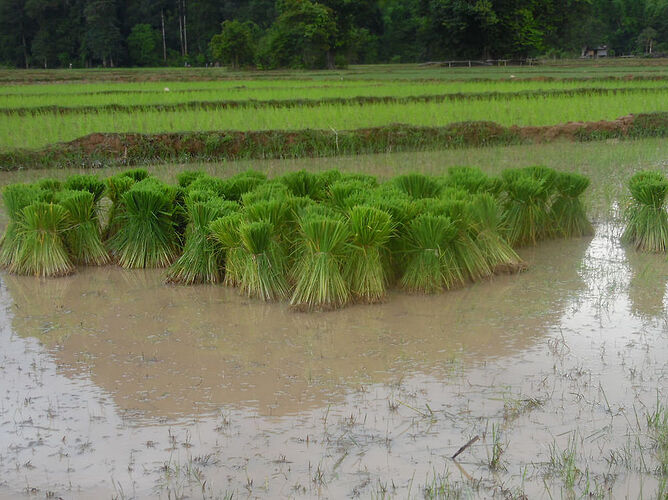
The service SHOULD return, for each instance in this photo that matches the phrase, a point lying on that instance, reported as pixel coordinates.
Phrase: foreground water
(115, 385)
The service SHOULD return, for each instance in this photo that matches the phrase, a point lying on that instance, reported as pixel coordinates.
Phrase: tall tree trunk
(25, 51)
(185, 30)
(164, 43)
(180, 27)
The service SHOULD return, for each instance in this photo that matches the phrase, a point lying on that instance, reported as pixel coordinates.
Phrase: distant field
(42, 108)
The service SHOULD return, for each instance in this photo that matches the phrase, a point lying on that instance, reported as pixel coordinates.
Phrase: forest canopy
(319, 34)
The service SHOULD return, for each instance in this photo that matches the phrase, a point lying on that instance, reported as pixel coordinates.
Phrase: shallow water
(117, 385)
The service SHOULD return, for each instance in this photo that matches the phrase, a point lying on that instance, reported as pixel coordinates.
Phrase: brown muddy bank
(98, 150)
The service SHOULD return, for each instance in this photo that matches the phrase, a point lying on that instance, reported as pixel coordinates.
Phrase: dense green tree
(235, 44)
(102, 40)
(144, 45)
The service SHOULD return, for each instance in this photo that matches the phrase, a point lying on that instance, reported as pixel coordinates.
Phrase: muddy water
(114, 384)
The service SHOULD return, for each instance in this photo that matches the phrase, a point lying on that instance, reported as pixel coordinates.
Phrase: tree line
(318, 33)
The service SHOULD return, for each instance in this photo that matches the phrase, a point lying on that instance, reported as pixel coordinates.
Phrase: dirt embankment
(95, 150)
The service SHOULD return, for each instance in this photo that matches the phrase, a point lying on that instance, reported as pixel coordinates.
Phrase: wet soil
(116, 385)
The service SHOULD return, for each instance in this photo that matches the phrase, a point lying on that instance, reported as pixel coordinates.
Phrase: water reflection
(167, 351)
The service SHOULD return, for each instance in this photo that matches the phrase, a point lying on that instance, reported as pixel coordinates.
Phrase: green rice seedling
(365, 269)
(185, 178)
(417, 185)
(15, 197)
(50, 184)
(82, 234)
(277, 212)
(42, 250)
(88, 183)
(264, 263)
(117, 186)
(235, 187)
(369, 180)
(526, 215)
(318, 272)
(646, 217)
(487, 220)
(328, 177)
(146, 236)
(472, 180)
(345, 194)
(225, 232)
(304, 184)
(136, 174)
(208, 183)
(567, 210)
(200, 262)
(267, 191)
(431, 265)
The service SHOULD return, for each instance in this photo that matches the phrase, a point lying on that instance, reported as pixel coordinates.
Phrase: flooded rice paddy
(117, 386)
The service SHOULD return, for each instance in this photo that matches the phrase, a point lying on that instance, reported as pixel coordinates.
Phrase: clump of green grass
(117, 186)
(567, 210)
(366, 269)
(90, 183)
(431, 265)
(15, 197)
(304, 184)
(185, 178)
(41, 251)
(263, 262)
(82, 235)
(267, 191)
(647, 220)
(200, 262)
(225, 232)
(526, 209)
(417, 186)
(146, 235)
(318, 272)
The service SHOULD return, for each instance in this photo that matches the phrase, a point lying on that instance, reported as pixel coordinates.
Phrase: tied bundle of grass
(487, 220)
(146, 235)
(16, 197)
(82, 235)
(418, 186)
(366, 266)
(185, 179)
(345, 194)
(225, 232)
(49, 184)
(526, 215)
(304, 184)
(200, 262)
(263, 262)
(647, 220)
(321, 254)
(472, 180)
(117, 186)
(136, 174)
(431, 265)
(272, 190)
(88, 183)
(567, 210)
(42, 249)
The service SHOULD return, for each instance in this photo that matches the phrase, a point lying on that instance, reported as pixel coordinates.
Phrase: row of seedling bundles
(320, 241)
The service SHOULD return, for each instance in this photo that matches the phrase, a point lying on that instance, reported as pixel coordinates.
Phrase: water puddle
(114, 384)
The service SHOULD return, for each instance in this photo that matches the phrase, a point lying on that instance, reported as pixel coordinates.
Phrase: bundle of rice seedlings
(235, 187)
(304, 184)
(366, 268)
(200, 262)
(117, 186)
(146, 236)
(136, 174)
(225, 232)
(487, 221)
(88, 183)
(567, 210)
(15, 197)
(278, 212)
(329, 177)
(82, 234)
(263, 262)
(345, 194)
(431, 265)
(208, 183)
(417, 186)
(267, 191)
(49, 184)
(185, 178)
(368, 180)
(318, 271)
(468, 254)
(472, 180)
(41, 249)
(647, 221)
(526, 217)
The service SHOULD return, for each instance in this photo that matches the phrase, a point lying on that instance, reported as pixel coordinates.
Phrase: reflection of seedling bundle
(321, 240)
(647, 220)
